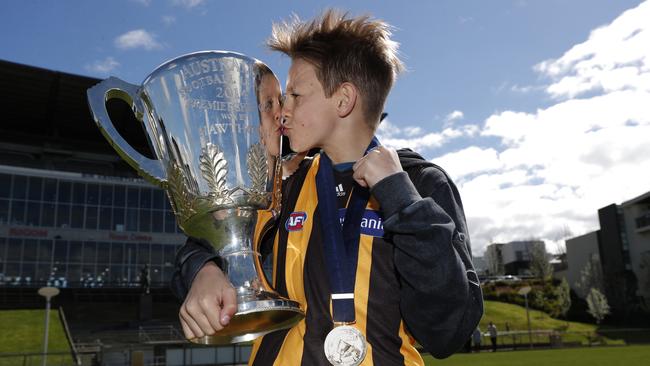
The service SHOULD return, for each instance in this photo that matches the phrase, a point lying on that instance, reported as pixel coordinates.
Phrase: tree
(563, 299)
(540, 262)
(597, 303)
(591, 276)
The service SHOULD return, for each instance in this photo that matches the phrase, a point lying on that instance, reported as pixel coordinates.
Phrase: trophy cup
(200, 112)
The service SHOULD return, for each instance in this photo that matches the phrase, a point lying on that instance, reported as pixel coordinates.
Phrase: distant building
(480, 265)
(636, 222)
(494, 260)
(580, 251)
(511, 258)
(72, 213)
(619, 251)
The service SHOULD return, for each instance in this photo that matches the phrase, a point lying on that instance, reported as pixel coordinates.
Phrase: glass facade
(50, 202)
(69, 263)
(85, 206)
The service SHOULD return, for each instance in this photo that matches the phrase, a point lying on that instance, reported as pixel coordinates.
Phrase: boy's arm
(209, 300)
(441, 300)
(190, 258)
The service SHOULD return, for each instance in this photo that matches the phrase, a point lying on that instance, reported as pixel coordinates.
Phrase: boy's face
(309, 116)
(269, 104)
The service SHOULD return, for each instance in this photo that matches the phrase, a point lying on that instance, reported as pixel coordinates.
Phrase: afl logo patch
(295, 221)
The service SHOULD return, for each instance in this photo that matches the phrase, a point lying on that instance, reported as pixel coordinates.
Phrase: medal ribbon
(341, 246)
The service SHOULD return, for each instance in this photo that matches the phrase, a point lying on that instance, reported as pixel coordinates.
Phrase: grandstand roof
(47, 108)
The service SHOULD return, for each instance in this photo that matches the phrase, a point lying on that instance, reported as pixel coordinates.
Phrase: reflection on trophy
(200, 112)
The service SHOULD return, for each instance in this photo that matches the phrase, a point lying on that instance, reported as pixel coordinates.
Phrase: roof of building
(642, 199)
(45, 116)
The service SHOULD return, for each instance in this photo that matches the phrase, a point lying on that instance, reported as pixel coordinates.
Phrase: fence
(36, 359)
(522, 339)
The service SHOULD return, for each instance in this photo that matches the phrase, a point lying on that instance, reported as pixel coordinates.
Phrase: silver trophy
(200, 112)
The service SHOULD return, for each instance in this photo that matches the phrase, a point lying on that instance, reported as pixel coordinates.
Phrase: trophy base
(255, 319)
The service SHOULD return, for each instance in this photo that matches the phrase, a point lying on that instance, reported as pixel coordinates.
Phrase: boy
(382, 251)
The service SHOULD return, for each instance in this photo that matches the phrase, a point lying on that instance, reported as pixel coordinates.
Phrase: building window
(63, 215)
(92, 194)
(33, 214)
(65, 189)
(4, 211)
(91, 218)
(30, 249)
(48, 214)
(49, 190)
(79, 193)
(17, 212)
(20, 187)
(35, 188)
(5, 185)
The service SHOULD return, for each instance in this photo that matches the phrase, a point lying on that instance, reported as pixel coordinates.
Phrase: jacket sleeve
(440, 295)
(190, 258)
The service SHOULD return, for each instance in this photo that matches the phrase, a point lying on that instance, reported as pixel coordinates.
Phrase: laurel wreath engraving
(258, 171)
(214, 168)
(182, 192)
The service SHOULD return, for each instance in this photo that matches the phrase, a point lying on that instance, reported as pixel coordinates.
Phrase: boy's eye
(266, 106)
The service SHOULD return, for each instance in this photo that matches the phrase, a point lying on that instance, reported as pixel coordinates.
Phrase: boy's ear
(346, 96)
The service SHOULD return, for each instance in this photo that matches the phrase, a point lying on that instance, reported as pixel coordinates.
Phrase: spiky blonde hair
(344, 49)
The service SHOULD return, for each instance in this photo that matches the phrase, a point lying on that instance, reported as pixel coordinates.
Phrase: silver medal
(345, 346)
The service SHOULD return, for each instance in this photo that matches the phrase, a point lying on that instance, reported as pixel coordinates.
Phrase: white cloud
(613, 58)
(102, 66)
(556, 166)
(189, 4)
(453, 116)
(142, 2)
(523, 89)
(469, 161)
(138, 38)
(168, 20)
(415, 138)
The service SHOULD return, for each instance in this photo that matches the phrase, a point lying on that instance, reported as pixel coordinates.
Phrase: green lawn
(515, 315)
(22, 332)
(596, 356)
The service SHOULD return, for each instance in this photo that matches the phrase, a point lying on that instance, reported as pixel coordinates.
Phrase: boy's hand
(378, 164)
(209, 305)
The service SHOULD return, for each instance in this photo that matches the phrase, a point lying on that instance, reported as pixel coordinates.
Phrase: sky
(538, 110)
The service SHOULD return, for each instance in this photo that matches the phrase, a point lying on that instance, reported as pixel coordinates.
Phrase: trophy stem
(260, 310)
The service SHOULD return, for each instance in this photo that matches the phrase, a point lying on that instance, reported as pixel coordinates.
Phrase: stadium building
(74, 215)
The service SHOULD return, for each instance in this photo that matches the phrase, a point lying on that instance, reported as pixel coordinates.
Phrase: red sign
(28, 231)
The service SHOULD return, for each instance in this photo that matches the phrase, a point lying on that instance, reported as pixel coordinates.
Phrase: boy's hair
(261, 70)
(344, 49)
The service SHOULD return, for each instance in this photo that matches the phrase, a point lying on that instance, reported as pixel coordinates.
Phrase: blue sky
(534, 107)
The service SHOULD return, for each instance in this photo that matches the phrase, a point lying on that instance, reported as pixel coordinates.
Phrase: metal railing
(546, 338)
(161, 335)
(36, 359)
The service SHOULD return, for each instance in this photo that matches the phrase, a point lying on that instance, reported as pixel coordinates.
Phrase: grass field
(515, 315)
(597, 356)
(21, 331)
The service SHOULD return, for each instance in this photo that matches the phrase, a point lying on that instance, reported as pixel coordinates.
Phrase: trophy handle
(151, 169)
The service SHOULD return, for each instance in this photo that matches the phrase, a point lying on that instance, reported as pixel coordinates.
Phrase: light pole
(524, 291)
(48, 293)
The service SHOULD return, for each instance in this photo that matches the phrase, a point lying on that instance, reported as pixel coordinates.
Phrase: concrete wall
(581, 250)
(638, 242)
